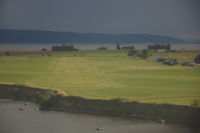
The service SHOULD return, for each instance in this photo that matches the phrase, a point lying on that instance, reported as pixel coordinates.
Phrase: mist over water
(12, 120)
(37, 46)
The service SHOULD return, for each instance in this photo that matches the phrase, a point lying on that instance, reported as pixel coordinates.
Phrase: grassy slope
(106, 75)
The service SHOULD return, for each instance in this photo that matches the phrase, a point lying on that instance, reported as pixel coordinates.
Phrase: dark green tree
(132, 47)
(118, 46)
(7, 53)
(168, 47)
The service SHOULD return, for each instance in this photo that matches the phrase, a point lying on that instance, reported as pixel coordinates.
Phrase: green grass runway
(105, 75)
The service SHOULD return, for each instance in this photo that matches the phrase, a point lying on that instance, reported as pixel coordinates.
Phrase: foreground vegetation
(105, 75)
(53, 100)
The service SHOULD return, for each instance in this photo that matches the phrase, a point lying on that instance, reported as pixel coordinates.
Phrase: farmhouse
(170, 62)
(189, 64)
(44, 49)
(128, 47)
(161, 50)
(63, 48)
(158, 59)
(155, 59)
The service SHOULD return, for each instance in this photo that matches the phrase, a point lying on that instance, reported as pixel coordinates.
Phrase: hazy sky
(179, 18)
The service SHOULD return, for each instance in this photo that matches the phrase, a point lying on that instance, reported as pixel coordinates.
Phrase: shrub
(195, 103)
(143, 54)
(132, 52)
(197, 59)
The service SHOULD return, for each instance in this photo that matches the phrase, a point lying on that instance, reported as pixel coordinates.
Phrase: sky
(176, 18)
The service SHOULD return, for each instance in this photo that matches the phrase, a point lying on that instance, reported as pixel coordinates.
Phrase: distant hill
(38, 36)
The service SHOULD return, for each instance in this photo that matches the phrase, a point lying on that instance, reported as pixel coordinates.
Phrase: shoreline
(49, 99)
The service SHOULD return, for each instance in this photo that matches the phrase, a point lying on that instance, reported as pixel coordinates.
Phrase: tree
(132, 47)
(118, 47)
(168, 47)
(197, 59)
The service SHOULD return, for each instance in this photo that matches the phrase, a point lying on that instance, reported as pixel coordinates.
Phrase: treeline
(160, 46)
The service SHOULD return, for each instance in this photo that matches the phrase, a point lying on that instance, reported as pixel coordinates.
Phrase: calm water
(12, 120)
(90, 46)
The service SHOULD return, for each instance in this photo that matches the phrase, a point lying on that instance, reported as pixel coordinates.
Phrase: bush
(197, 59)
(48, 54)
(195, 103)
(144, 54)
(132, 52)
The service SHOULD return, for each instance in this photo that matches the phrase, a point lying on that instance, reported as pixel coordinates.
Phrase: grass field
(107, 74)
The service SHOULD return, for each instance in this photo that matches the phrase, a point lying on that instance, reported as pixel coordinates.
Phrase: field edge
(52, 100)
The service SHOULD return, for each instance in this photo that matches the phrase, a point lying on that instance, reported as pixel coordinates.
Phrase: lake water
(90, 46)
(12, 120)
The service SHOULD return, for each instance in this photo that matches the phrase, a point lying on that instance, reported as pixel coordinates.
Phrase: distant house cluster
(64, 48)
(192, 64)
(169, 62)
(160, 47)
(172, 62)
